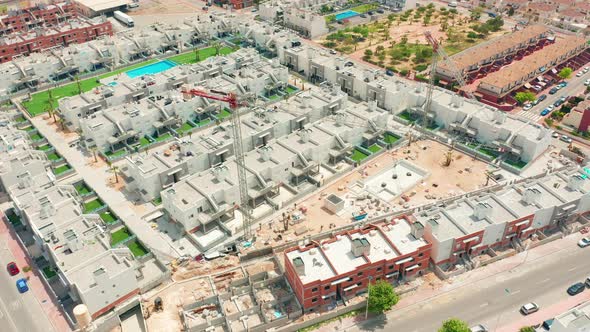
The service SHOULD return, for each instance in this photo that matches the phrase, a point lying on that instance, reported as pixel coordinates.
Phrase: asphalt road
(575, 85)
(494, 301)
(18, 312)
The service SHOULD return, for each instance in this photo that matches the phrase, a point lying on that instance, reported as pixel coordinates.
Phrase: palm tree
(115, 170)
(197, 55)
(78, 84)
(50, 102)
(62, 123)
(93, 149)
(217, 46)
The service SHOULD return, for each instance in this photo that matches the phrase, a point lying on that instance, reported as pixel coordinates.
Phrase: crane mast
(234, 104)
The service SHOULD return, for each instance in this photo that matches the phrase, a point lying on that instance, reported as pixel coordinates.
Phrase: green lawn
(137, 249)
(407, 116)
(39, 102)
(108, 217)
(44, 147)
(82, 189)
(203, 122)
(204, 53)
(157, 201)
(36, 137)
(364, 8)
(184, 128)
(374, 148)
(358, 155)
(163, 137)
(48, 272)
(291, 89)
(144, 141)
(115, 154)
(120, 236)
(20, 119)
(62, 169)
(273, 97)
(29, 128)
(53, 156)
(92, 205)
(223, 114)
(489, 152)
(516, 163)
(14, 219)
(390, 139)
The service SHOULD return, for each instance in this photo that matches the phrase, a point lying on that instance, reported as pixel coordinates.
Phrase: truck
(124, 18)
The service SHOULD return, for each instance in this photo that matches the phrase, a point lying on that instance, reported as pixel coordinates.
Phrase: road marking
(515, 292)
(544, 281)
(572, 269)
(484, 305)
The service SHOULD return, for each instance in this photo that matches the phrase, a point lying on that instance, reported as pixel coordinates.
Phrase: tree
(524, 96)
(526, 329)
(197, 55)
(78, 84)
(454, 325)
(217, 46)
(511, 11)
(93, 149)
(50, 104)
(565, 73)
(381, 297)
(476, 13)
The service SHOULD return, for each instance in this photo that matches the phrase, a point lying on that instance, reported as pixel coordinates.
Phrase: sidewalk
(425, 292)
(42, 294)
(116, 200)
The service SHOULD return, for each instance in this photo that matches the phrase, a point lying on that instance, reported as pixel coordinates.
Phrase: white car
(584, 242)
(565, 139)
(586, 69)
(580, 73)
(587, 82)
(478, 328)
(551, 107)
(555, 135)
(527, 107)
(529, 308)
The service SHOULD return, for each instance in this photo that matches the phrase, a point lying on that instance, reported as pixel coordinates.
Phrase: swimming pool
(346, 14)
(154, 68)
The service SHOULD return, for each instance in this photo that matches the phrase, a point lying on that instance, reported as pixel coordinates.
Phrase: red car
(12, 269)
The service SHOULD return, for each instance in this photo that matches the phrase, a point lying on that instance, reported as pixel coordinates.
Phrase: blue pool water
(113, 83)
(346, 14)
(154, 68)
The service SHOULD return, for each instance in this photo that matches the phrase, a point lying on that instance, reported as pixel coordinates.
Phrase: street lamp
(368, 297)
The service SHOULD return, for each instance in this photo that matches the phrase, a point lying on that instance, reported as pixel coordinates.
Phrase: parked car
(537, 88)
(21, 285)
(587, 82)
(545, 112)
(580, 73)
(547, 324)
(555, 134)
(333, 52)
(553, 90)
(380, 11)
(565, 139)
(478, 328)
(562, 85)
(529, 308)
(576, 288)
(527, 107)
(12, 269)
(584, 242)
(363, 15)
(551, 107)
(541, 98)
(588, 282)
(389, 72)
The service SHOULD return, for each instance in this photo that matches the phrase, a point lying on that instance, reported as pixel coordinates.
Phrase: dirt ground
(173, 298)
(194, 268)
(463, 175)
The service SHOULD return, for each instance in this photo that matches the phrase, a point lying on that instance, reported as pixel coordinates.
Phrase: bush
(472, 35)
(420, 67)
(403, 72)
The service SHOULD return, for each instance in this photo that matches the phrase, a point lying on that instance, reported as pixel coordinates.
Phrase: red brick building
(74, 31)
(322, 274)
(236, 4)
(38, 16)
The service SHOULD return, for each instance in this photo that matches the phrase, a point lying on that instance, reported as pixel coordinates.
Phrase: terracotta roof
(533, 62)
(571, 13)
(542, 7)
(484, 51)
(517, 2)
(583, 6)
(565, 2)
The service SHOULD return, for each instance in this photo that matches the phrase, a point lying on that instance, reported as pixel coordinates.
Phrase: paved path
(116, 200)
(33, 311)
(492, 294)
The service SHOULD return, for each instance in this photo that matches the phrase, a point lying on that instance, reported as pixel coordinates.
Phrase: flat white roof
(316, 266)
(99, 5)
(340, 255)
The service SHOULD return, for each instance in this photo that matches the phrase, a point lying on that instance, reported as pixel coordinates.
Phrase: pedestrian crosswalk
(530, 115)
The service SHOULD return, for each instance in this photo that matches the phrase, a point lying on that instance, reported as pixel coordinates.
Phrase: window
(315, 289)
(421, 254)
(327, 287)
(359, 274)
(391, 267)
(378, 269)
(314, 300)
